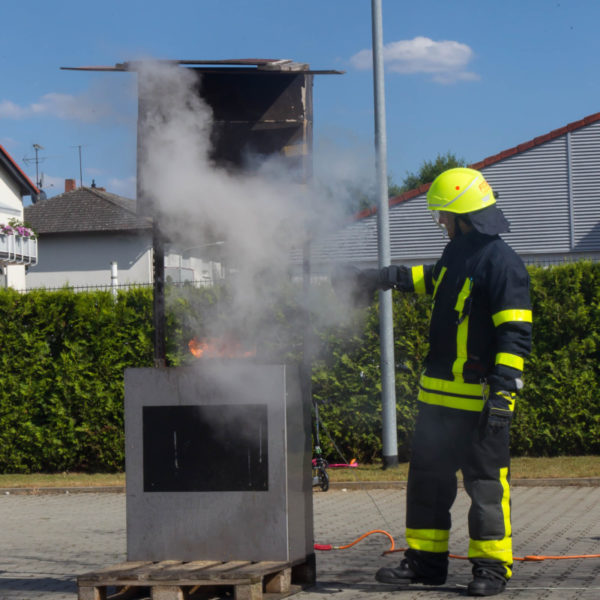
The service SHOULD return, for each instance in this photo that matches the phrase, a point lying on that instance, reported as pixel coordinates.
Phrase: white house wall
(11, 207)
(85, 260)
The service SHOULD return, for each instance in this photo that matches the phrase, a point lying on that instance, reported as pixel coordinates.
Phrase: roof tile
(85, 210)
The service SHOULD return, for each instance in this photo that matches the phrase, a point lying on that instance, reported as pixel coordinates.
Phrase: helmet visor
(436, 215)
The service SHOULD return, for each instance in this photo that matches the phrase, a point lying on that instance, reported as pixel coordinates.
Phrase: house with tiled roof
(549, 189)
(81, 232)
(17, 248)
(89, 237)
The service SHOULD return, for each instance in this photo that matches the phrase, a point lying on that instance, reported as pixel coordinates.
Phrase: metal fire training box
(218, 463)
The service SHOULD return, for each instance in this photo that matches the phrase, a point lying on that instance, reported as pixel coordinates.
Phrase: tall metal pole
(386, 323)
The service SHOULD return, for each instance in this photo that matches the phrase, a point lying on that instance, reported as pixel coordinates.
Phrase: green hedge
(64, 353)
(61, 377)
(557, 413)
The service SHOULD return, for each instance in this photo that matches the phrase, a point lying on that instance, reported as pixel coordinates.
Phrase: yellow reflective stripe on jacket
(457, 388)
(513, 314)
(463, 327)
(472, 404)
(418, 277)
(429, 540)
(510, 360)
(439, 280)
(451, 394)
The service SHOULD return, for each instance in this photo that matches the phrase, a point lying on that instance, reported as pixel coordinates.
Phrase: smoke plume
(259, 218)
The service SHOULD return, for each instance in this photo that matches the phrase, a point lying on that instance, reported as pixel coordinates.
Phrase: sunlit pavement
(47, 540)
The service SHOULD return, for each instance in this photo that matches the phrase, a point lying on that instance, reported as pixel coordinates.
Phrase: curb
(333, 485)
(542, 482)
(56, 491)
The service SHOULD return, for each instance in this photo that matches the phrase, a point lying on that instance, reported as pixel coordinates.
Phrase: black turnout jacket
(480, 329)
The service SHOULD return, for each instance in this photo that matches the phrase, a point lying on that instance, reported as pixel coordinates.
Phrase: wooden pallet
(175, 580)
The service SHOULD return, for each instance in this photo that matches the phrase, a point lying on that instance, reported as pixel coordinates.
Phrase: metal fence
(543, 260)
(121, 286)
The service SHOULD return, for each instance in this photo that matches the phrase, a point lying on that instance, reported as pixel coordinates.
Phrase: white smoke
(258, 217)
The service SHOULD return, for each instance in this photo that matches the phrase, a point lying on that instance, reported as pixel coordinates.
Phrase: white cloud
(62, 106)
(445, 61)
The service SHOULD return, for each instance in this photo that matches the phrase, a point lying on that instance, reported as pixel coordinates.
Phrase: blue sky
(470, 77)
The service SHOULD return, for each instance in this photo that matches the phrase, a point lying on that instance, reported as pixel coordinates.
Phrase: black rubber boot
(404, 574)
(486, 583)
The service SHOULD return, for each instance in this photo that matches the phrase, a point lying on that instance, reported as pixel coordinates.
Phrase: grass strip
(521, 468)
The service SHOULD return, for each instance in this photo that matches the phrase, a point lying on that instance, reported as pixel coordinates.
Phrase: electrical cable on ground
(392, 549)
(362, 537)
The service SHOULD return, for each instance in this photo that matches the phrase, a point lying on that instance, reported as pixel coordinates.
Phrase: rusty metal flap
(250, 65)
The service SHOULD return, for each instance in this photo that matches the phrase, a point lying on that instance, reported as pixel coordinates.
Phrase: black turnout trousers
(447, 440)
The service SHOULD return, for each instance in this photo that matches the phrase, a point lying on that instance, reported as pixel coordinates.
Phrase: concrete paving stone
(47, 540)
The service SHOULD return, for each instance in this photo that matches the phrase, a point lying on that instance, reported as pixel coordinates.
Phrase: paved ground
(47, 540)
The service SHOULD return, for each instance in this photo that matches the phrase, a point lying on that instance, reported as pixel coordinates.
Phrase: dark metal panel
(253, 96)
(258, 114)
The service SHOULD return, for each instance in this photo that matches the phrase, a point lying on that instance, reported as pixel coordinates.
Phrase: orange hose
(364, 535)
(528, 558)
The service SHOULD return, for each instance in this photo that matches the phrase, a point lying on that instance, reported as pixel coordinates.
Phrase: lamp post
(386, 323)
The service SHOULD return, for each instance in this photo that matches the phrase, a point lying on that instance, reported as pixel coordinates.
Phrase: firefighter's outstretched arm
(512, 319)
(361, 284)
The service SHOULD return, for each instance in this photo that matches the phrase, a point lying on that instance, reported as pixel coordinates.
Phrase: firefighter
(480, 332)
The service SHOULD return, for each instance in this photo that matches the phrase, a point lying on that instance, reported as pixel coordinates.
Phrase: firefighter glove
(499, 409)
(397, 277)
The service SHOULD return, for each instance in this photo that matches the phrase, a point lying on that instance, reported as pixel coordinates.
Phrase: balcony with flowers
(18, 244)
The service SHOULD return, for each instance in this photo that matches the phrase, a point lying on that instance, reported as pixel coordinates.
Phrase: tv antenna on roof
(37, 160)
(79, 147)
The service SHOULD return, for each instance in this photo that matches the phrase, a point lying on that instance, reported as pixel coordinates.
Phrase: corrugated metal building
(549, 190)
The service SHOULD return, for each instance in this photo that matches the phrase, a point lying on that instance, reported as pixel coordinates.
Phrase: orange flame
(218, 348)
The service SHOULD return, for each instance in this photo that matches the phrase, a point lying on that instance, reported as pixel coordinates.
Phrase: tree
(429, 171)
(363, 199)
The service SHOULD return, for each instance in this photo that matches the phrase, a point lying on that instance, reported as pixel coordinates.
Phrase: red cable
(528, 558)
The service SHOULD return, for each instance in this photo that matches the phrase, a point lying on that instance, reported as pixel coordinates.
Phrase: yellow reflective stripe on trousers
(500, 550)
(429, 540)
(418, 277)
(510, 360)
(513, 314)
(506, 502)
